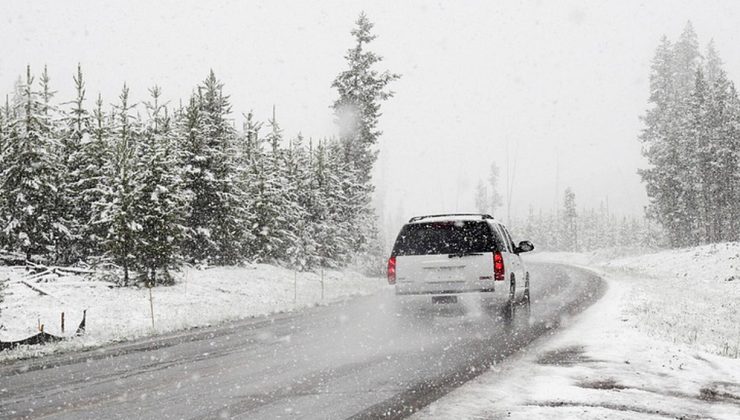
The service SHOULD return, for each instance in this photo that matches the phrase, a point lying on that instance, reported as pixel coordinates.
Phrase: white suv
(457, 253)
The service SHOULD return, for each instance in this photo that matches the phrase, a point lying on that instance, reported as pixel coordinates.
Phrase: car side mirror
(524, 246)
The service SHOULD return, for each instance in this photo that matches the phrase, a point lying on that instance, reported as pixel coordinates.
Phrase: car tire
(509, 308)
(512, 289)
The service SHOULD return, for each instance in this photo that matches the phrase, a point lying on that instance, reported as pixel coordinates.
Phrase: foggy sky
(562, 83)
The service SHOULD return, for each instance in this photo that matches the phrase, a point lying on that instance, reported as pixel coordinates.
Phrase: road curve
(370, 357)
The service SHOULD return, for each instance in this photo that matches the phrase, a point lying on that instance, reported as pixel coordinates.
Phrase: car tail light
(498, 266)
(392, 270)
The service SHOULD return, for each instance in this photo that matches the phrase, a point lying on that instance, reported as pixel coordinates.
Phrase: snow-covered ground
(664, 342)
(201, 297)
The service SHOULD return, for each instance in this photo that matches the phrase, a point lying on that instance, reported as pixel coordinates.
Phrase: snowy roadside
(663, 342)
(200, 298)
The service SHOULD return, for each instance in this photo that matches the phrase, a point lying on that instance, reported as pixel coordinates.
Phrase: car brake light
(392, 270)
(498, 266)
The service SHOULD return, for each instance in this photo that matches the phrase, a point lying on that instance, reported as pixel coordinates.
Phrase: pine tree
(117, 210)
(665, 140)
(719, 158)
(696, 150)
(95, 157)
(690, 140)
(686, 60)
(660, 144)
(355, 222)
(5, 128)
(301, 249)
(216, 220)
(713, 64)
(530, 226)
(160, 200)
(685, 104)
(331, 236)
(269, 198)
(730, 170)
(495, 198)
(63, 223)
(481, 198)
(570, 226)
(75, 205)
(3, 287)
(361, 89)
(249, 151)
(28, 176)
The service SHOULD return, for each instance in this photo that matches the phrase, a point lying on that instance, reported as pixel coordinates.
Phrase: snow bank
(689, 296)
(200, 298)
(655, 346)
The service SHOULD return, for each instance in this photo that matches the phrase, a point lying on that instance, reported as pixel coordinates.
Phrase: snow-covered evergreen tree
(74, 203)
(362, 88)
(721, 157)
(494, 196)
(5, 129)
(117, 209)
(160, 200)
(28, 175)
(695, 148)
(686, 60)
(482, 204)
(216, 220)
(660, 145)
(330, 235)
(269, 199)
(570, 226)
(248, 153)
(3, 287)
(690, 140)
(729, 158)
(63, 223)
(301, 252)
(95, 157)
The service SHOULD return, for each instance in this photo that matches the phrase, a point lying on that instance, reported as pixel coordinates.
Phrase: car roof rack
(482, 216)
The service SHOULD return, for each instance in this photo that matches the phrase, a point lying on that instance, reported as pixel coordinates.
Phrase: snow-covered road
(365, 357)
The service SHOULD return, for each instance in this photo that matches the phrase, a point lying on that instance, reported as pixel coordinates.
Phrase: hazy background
(561, 82)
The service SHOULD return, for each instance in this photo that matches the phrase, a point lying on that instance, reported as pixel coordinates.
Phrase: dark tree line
(691, 138)
(146, 186)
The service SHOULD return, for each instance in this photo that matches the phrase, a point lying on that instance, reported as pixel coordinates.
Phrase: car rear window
(444, 238)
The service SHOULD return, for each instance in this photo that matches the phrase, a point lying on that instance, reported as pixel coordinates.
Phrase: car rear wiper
(463, 254)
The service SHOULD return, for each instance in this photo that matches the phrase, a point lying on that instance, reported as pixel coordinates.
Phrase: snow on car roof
(449, 217)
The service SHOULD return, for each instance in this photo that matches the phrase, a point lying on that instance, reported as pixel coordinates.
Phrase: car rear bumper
(440, 288)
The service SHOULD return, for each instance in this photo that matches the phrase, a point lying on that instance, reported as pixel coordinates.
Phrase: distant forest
(578, 229)
(144, 187)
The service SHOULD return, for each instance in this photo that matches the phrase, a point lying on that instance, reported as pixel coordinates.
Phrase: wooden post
(151, 304)
(62, 322)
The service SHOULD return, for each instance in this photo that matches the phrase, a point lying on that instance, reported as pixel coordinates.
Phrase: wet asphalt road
(377, 356)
